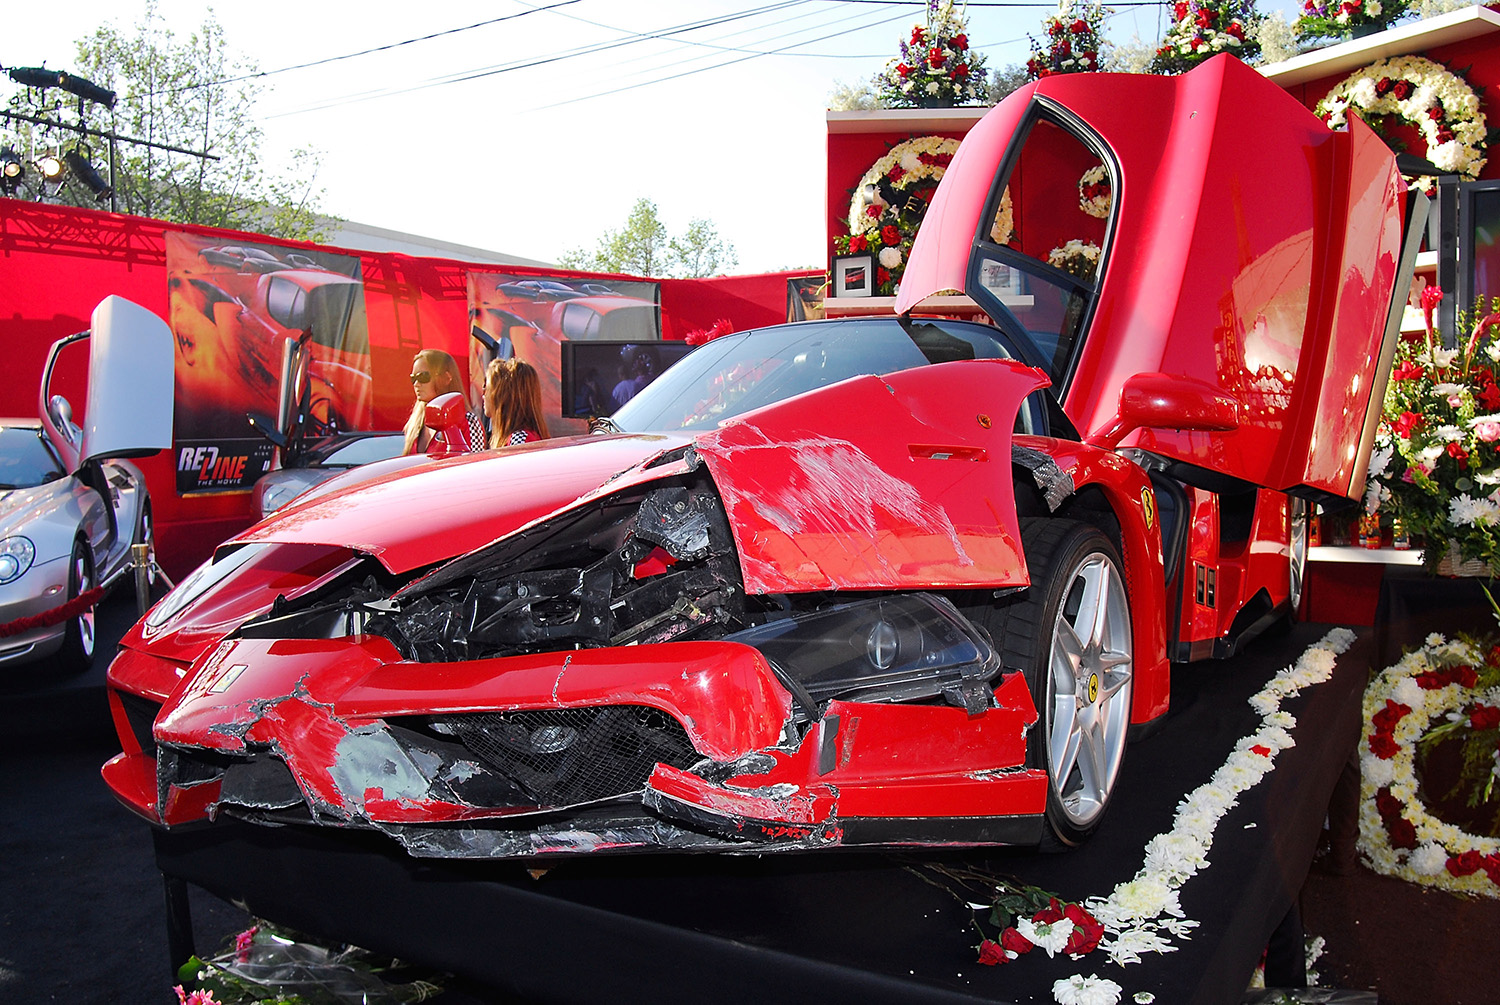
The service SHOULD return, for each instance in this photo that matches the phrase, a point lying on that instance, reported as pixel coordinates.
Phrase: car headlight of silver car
(16, 556)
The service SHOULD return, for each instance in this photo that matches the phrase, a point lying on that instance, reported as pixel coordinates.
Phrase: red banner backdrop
(57, 263)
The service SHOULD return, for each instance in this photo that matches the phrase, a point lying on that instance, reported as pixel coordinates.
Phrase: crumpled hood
(411, 519)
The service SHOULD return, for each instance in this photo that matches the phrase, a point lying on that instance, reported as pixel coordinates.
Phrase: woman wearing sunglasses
(434, 372)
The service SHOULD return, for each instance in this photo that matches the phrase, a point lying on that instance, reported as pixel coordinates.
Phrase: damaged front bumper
(674, 746)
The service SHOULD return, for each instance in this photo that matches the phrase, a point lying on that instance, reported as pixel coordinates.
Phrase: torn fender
(897, 482)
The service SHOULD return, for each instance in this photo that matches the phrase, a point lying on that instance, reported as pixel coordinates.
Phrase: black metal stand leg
(179, 922)
(1286, 957)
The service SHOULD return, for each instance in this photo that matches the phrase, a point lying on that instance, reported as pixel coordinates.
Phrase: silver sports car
(70, 507)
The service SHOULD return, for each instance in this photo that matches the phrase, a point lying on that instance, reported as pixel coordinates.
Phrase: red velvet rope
(56, 616)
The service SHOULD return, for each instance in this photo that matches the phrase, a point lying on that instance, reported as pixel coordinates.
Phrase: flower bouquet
(1339, 19)
(1436, 462)
(1081, 258)
(1204, 28)
(1071, 41)
(936, 67)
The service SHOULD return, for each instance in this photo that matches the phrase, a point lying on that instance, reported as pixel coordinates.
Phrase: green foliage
(643, 247)
(187, 92)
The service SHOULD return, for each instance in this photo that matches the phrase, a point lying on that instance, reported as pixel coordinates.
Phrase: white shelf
(907, 120)
(1418, 37)
(1364, 556)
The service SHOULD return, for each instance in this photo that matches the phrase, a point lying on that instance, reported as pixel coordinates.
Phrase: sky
(533, 134)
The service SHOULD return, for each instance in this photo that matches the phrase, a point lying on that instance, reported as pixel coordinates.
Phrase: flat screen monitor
(600, 376)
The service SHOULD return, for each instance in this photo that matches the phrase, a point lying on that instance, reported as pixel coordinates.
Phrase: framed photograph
(1000, 279)
(854, 275)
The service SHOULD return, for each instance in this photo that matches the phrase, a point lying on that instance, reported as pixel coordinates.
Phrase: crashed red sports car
(896, 581)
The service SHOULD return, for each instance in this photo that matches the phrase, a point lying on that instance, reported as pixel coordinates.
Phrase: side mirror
(447, 416)
(60, 410)
(1168, 401)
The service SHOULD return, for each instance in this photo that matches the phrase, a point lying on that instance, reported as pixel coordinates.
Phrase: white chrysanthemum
(1377, 771)
(1450, 434)
(1128, 946)
(1428, 860)
(1051, 936)
(1175, 856)
(1442, 358)
(890, 257)
(1408, 692)
(1090, 990)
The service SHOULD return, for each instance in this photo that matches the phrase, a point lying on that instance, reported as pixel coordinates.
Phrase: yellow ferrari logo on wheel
(1093, 687)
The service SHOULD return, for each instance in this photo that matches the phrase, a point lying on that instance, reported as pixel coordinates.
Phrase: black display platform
(832, 926)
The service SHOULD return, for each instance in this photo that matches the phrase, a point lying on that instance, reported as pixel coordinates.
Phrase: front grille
(140, 713)
(574, 755)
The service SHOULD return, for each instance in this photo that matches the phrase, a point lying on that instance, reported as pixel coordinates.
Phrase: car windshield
(737, 373)
(25, 461)
(364, 450)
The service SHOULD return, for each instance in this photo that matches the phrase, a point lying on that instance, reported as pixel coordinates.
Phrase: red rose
(1235, 31)
(1383, 746)
(859, 243)
(882, 275)
(902, 70)
(1403, 834)
(890, 235)
(1465, 675)
(1466, 864)
(961, 71)
(1492, 868)
(896, 173)
(1196, 43)
(935, 57)
(1408, 371)
(1079, 27)
(1484, 717)
(1432, 680)
(1091, 58)
(1388, 805)
(873, 211)
(1056, 28)
(960, 42)
(917, 34)
(1180, 11)
(1015, 942)
(1087, 930)
(1064, 48)
(1033, 67)
(1406, 423)
(1402, 89)
(1385, 720)
(1205, 18)
(990, 953)
(1458, 453)
(1050, 914)
(1382, 87)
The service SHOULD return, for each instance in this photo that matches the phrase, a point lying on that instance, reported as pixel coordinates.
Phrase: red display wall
(57, 263)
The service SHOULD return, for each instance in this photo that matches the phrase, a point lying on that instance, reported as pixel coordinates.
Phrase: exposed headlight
(278, 495)
(16, 555)
(900, 648)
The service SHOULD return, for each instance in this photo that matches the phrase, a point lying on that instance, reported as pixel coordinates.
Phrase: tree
(191, 94)
(643, 248)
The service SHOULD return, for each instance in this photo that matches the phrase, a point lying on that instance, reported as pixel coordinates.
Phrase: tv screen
(600, 376)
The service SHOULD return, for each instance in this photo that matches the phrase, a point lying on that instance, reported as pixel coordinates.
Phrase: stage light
(79, 164)
(40, 76)
(51, 167)
(11, 171)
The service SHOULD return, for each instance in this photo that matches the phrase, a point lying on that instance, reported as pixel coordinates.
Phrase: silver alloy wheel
(1297, 522)
(83, 575)
(1090, 668)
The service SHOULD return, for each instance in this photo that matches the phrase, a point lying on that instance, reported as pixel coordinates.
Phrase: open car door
(1206, 227)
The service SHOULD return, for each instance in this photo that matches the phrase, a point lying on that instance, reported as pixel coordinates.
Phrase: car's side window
(1040, 263)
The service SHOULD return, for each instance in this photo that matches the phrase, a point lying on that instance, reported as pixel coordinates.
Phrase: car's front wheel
(1070, 631)
(77, 653)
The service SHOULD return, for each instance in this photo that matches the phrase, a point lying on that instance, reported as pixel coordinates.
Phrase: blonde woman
(434, 372)
(513, 402)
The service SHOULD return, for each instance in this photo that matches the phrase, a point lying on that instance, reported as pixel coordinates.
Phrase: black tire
(77, 653)
(1081, 683)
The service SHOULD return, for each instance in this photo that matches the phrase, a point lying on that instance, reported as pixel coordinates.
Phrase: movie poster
(234, 309)
(530, 317)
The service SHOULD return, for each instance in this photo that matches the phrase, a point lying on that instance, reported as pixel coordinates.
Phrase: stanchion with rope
(146, 573)
(146, 570)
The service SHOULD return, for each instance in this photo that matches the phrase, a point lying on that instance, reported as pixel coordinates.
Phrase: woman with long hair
(513, 401)
(434, 372)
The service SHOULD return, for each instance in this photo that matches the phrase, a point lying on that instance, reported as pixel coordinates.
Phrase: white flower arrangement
(906, 155)
(1143, 914)
(1437, 842)
(1090, 990)
(1411, 88)
(1004, 227)
(1095, 196)
(1081, 258)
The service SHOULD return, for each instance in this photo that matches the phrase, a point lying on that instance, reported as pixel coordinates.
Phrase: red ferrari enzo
(896, 581)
